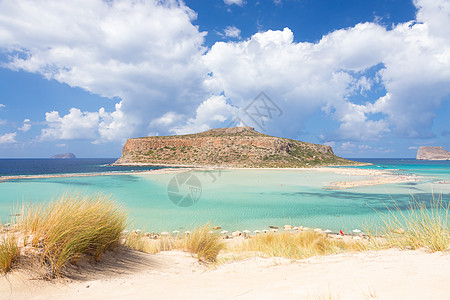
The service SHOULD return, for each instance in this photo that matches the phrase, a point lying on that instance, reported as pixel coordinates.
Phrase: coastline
(373, 177)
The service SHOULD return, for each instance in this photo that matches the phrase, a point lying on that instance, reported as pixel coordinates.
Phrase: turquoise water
(242, 199)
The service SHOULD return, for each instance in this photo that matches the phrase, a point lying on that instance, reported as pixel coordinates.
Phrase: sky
(369, 78)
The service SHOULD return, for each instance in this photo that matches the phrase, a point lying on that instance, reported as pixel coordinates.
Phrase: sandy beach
(387, 274)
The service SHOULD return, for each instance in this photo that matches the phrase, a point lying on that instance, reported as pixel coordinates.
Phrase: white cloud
(412, 148)
(168, 119)
(115, 125)
(8, 138)
(61, 145)
(101, 126)
(214, 110)
(232, 31)
(231, 2)
(300, 77)
(2, 105)
(149, 54)
(76, 125)
(303, 77)
(347, 146)
(364, 147)
(26, 125)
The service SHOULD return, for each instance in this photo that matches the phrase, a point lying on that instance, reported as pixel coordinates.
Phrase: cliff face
(432, 153)
(233, 147)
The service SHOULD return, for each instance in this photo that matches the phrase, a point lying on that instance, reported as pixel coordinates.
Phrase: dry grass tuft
(300, 245)
(9, 252)
(142, 243)
(204, 243)
(420, 226)
(71, 226)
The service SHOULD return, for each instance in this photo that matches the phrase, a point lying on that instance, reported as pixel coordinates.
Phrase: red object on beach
(341, 232)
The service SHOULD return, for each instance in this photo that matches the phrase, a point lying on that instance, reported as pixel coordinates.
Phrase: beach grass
(9, 252)
(142, 243)
(300, 245)
(204, 243)
(71, 226)
(420, 226)
(201, 242)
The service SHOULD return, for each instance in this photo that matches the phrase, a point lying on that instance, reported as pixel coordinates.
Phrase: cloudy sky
(370, 78)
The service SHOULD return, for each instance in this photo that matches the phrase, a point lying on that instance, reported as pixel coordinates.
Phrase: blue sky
(369, 78)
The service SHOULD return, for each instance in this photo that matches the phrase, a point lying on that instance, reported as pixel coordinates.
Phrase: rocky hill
(227, 147)
(432, 153)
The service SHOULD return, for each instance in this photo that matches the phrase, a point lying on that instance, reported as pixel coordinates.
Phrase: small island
(64, 156)
(432, 153)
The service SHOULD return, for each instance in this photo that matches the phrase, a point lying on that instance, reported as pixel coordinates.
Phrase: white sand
(390, 274)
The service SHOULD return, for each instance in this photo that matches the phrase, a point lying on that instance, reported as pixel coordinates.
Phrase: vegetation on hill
(228, 147)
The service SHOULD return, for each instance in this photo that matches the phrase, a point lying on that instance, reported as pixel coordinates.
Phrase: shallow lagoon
(234, 199)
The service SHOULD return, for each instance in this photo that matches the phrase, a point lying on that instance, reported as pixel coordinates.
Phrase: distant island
(432, 153)
(227, 147)
(64, 156)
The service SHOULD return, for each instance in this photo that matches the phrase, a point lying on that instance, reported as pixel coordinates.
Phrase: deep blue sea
(233, 199)
(33, 166)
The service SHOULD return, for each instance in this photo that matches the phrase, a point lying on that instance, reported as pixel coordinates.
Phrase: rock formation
(432, 153)
(64, 156)
(227, 147)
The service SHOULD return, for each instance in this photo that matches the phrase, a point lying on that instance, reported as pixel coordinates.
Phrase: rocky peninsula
(432, 153)
(227, 147)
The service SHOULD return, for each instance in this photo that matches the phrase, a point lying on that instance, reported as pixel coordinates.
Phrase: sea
(251, 199)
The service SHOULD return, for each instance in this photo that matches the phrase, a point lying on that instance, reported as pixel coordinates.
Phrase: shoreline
(374, 176)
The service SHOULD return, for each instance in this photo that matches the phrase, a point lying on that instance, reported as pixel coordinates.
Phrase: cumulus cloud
(26, 125)
(8, 138)
(214, 110)
(231, 2)
(300, 77)
(151, 56)
(414, 67)
(147, 53)
(347, 146)
(168, 119)
(115, 125)
(76, 125)
(232, 31)
(101, 126)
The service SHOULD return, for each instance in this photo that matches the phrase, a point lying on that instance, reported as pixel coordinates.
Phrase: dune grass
(204, 243)
(139, 242)
(71, 226)
(300, 245)
(9, 252)
(420, 226)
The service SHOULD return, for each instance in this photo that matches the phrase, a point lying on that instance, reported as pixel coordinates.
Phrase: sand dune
(389, 274)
